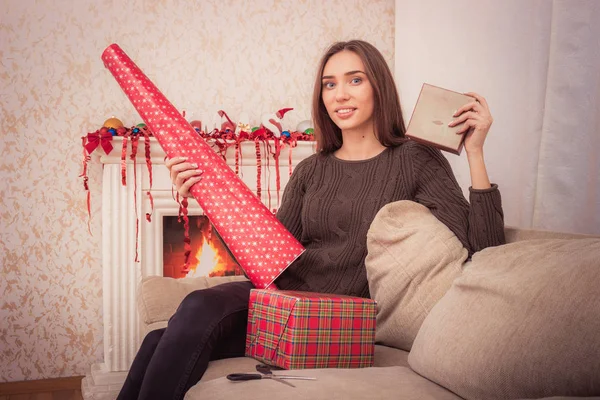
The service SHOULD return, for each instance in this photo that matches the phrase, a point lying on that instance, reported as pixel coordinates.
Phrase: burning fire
(209, 254)
(213, 262)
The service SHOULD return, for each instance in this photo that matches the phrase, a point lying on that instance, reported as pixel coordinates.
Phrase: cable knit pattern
(329, 205)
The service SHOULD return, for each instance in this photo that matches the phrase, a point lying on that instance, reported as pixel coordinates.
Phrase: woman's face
(347, 92)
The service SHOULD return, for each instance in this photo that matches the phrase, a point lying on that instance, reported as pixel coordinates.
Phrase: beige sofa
(453, 359)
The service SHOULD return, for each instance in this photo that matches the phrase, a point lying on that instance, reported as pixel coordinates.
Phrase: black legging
(209, 324)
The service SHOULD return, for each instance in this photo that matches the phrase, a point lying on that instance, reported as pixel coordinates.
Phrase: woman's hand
(183, 174)
(477, 121)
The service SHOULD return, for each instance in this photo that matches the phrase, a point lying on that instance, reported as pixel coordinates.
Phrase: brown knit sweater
(329, 204)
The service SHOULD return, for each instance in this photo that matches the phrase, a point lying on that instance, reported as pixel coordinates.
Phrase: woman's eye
(329, 85)
(356, 81)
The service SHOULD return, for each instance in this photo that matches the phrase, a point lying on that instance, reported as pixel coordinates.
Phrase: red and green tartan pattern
(297, 330)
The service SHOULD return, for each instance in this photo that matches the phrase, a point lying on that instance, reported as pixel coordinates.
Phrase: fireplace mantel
(120, 216)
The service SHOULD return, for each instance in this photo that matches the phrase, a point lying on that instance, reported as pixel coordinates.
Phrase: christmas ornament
(227, 125)
(304, 125)
(113, 122)
(243, 124)
(272, 122)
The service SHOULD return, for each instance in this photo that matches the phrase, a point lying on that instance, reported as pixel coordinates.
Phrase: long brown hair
(387, 114)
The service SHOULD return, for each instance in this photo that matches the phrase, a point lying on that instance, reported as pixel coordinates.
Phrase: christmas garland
(222, 139)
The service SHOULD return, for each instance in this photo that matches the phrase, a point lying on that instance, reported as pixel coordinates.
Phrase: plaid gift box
(296, 330)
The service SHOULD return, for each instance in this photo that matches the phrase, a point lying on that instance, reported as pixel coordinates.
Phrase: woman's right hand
(183, 174)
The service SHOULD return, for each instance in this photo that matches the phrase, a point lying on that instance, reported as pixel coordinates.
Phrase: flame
(212, 262)
(207, 257)
(209, 254)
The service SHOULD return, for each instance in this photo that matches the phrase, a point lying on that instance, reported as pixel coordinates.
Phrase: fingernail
(199, 171)
(194, 165)
(450, 123)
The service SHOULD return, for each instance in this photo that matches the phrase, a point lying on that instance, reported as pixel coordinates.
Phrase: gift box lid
(312, 296)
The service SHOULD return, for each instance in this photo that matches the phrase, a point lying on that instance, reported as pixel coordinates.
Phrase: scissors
(266, 373)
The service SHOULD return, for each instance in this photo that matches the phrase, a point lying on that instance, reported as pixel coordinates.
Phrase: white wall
(537, 64)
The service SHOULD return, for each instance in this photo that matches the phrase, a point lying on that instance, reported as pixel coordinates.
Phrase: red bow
(99, 138)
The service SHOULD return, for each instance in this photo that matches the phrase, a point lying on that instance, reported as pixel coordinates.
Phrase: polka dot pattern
(259, 242)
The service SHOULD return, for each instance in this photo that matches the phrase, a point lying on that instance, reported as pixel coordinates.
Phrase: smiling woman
(363, 162)
(348, 98)
(355, 92)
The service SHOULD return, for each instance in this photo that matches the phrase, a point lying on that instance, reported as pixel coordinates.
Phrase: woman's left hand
(477, 121)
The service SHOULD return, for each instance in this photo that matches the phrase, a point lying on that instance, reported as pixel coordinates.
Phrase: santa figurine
(272, 122)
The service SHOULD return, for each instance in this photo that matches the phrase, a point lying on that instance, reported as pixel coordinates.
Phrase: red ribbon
(86, 159)
(149, 166)
(100, 138)
(290, 161)
(222, 146)
(258, 167)
(124, 162)
(133, 156)
(237, 158)
(149, 214)
(268, 175)
(277, 174)
(187, 247)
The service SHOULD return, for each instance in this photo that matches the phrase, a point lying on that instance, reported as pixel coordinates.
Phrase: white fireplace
(121, 272)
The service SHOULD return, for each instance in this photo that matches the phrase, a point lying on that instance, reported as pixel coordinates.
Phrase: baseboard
(101, 384)
(42, 385)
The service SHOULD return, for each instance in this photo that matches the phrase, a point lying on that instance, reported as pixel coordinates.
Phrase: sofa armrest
(158, 297)
(515, 234)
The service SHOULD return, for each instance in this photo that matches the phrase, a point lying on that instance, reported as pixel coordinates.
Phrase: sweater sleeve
(477, 225)
(486, 218)
(290, 209)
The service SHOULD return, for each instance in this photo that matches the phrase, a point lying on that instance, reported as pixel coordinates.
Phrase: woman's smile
(345, 113)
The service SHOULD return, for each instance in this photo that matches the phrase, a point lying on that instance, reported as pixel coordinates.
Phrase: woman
(363, 162)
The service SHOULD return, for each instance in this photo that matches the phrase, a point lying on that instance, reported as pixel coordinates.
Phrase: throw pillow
(158, 297)
(411, 263)
(522, 321)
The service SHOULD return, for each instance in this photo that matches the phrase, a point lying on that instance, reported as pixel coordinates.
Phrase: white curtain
(537, 62)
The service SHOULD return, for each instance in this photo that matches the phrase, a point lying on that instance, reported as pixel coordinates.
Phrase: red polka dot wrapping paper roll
(259, 242)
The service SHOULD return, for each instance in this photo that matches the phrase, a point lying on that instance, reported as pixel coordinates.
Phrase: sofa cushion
(384, 357)
(412, 260)
(220, 368)
(331, 384)
(522, 321)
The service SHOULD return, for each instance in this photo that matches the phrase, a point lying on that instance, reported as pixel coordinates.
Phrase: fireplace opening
(209, 255)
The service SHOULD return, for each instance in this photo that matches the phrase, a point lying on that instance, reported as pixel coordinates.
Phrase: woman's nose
(341, 93)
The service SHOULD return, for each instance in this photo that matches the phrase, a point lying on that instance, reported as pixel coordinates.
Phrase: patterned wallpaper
(216, 54)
